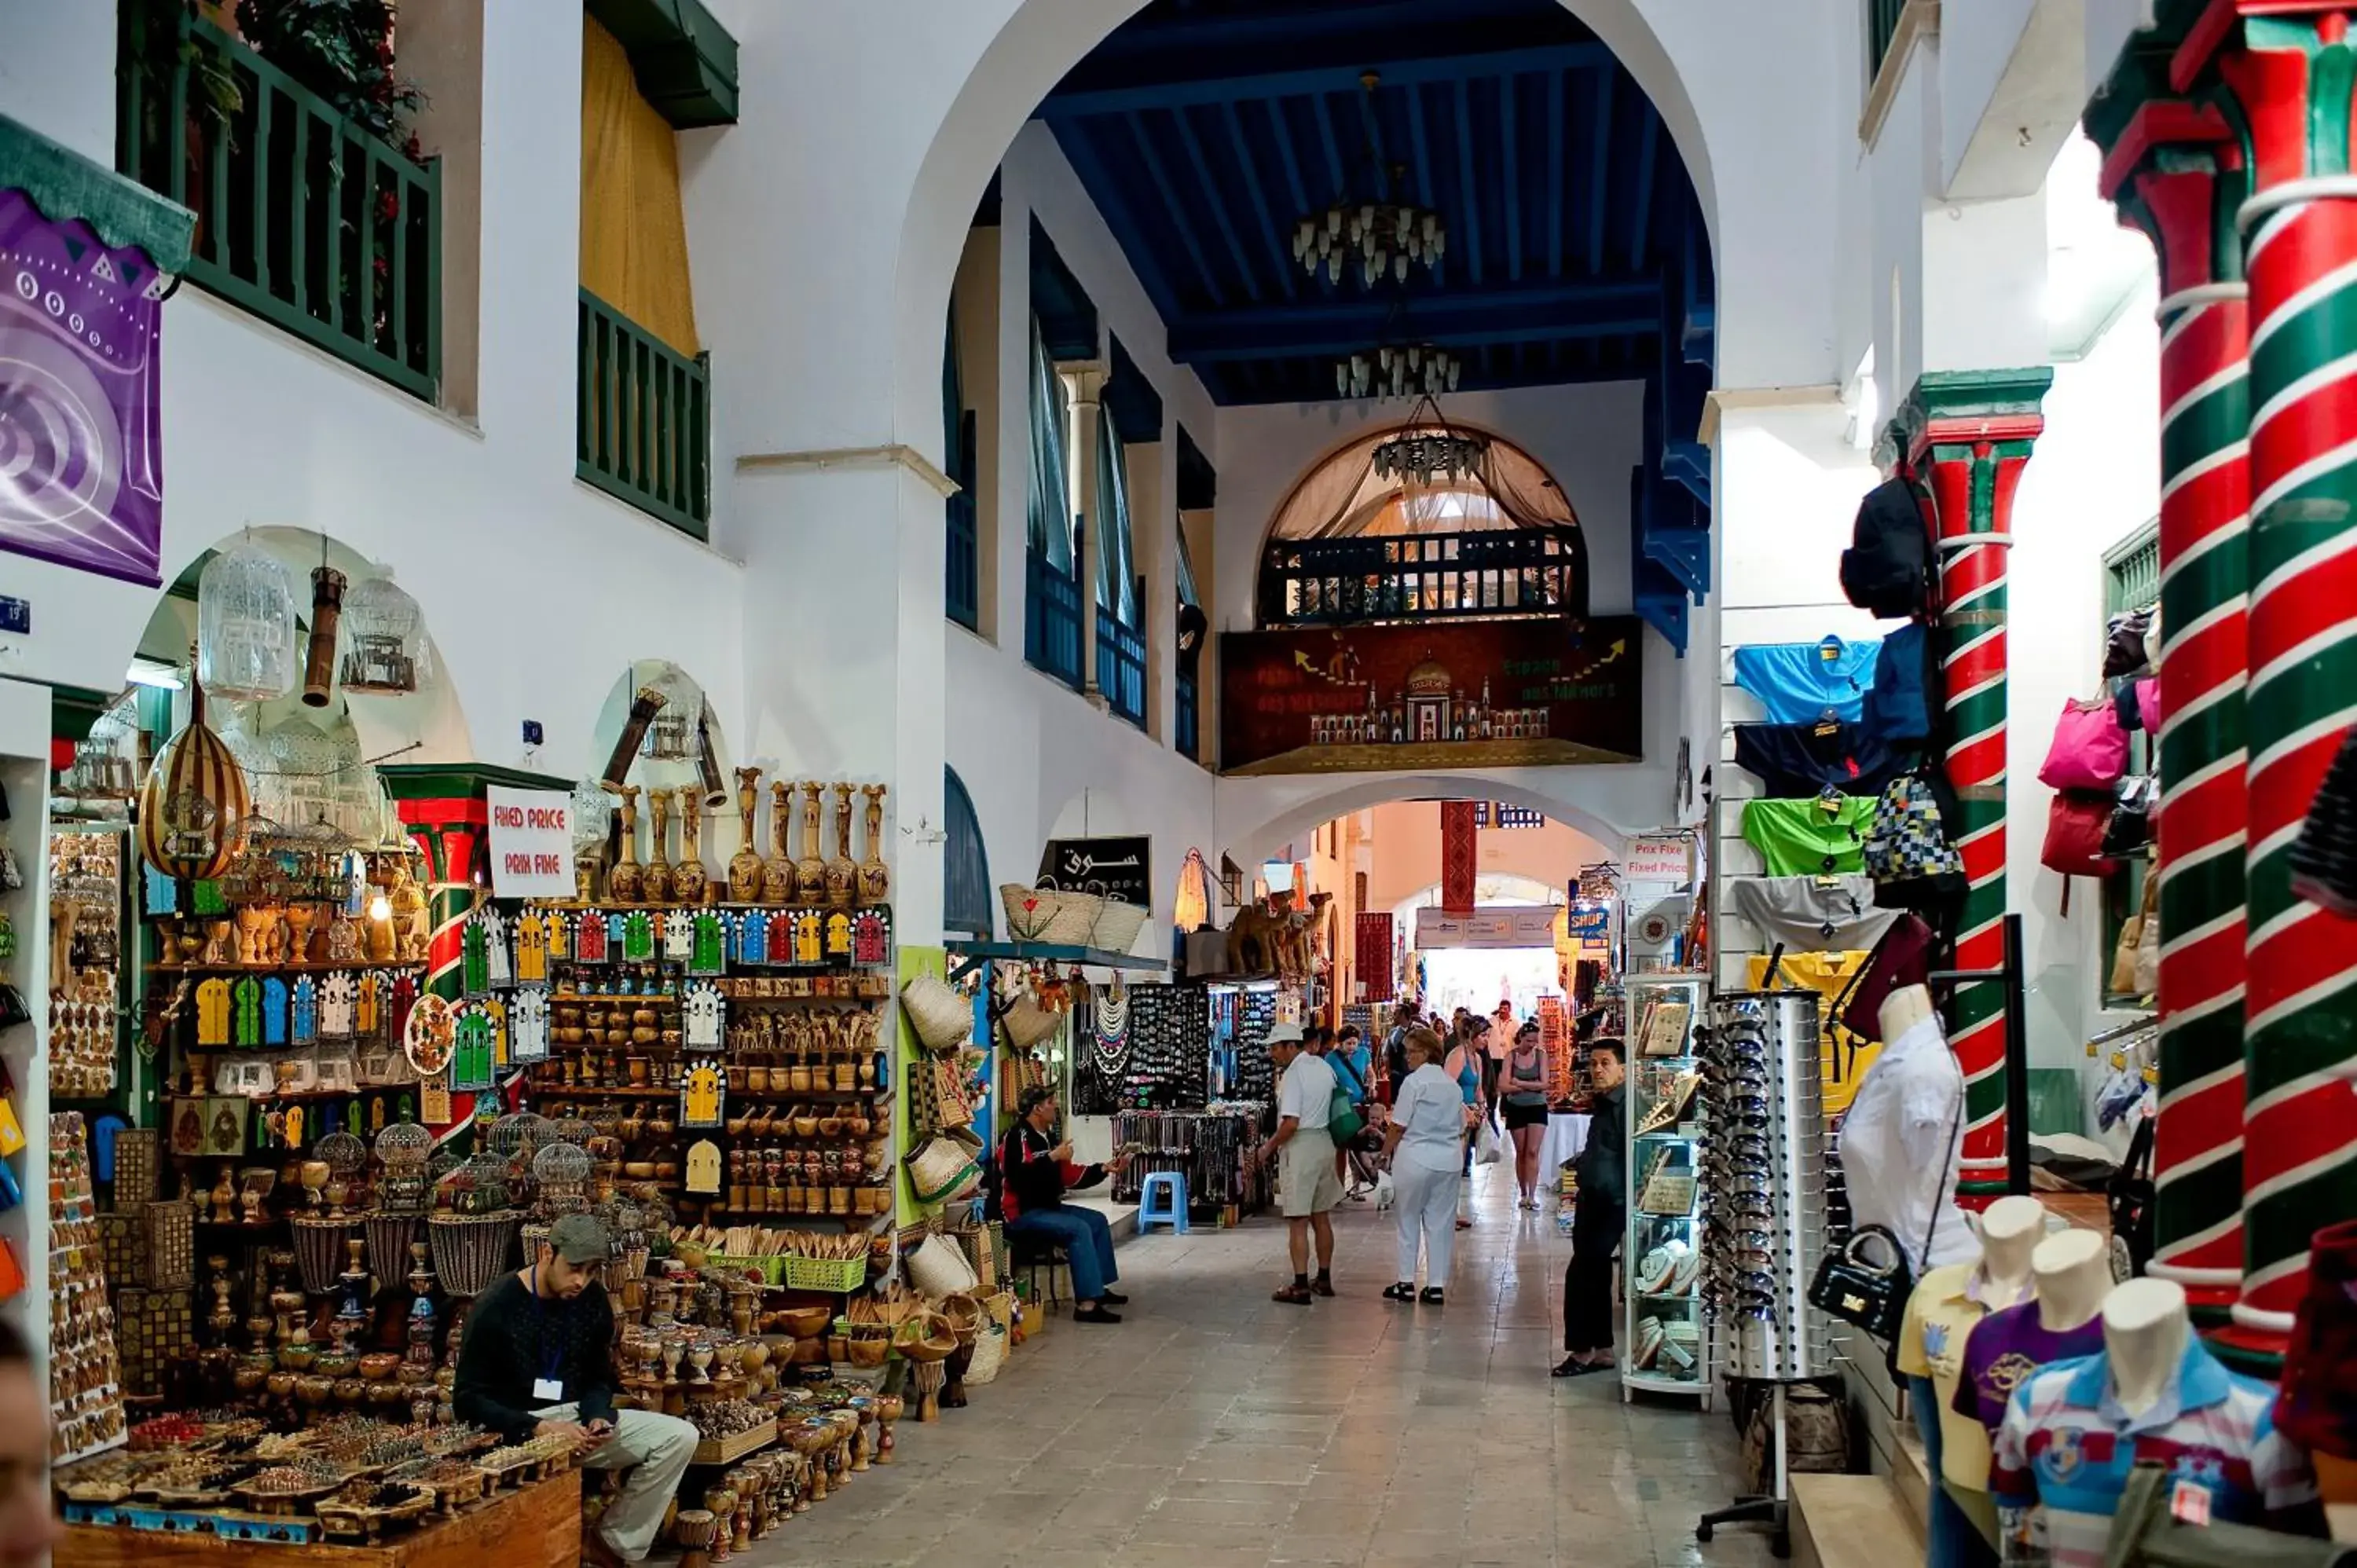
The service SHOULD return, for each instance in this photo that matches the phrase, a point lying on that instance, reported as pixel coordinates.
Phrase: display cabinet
(1663, 1345)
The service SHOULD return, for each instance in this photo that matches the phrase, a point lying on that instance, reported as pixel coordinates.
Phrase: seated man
(1034, 1176)
(538, 1359)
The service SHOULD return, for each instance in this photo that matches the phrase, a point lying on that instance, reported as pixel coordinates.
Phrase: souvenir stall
(1668, 1131)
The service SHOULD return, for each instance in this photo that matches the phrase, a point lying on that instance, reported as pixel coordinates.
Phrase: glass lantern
(103, 767)
(246, 625)
(300, 788)
(385, 650)
(671, 737)
(593, 818)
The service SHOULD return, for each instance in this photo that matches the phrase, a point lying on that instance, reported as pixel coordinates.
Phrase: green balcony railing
(303, 219)
(642, 419)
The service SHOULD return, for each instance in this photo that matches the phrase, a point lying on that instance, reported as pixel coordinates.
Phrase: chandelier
(1422, 367)
(1426, 456)
(1375, 238)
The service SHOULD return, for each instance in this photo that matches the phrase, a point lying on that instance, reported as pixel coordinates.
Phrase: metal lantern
(193, 804)
(246, 625)
(593, 818)
(102, 767)
(670, 735)
(301, 784)
(403, 1148)
(385, 650)
(561, 1171)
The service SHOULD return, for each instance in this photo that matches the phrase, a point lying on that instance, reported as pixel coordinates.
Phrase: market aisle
(1217, 1427)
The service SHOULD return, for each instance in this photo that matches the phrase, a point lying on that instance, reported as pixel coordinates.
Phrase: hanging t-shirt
(2066, 1443)
(1797, 761)
(1801, 838)
(1941, 1313)
(1841, 1056)
(2005, 1348)
(1800, 683)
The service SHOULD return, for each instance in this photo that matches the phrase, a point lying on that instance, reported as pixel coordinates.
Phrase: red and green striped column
(1969, 435)
(2175, 168)
(2289, 67)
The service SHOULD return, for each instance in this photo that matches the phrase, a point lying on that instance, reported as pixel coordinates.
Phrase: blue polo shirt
(2066, 1443)
(1801, 682)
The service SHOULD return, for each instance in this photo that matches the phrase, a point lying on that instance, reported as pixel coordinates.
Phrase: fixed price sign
(532, 842)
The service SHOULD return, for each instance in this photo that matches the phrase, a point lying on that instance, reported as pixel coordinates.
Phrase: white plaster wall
(537, 588)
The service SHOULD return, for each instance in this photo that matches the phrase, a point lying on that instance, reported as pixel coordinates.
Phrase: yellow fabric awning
(634, 227)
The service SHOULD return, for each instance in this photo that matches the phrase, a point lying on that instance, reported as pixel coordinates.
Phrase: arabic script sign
(1119, 868)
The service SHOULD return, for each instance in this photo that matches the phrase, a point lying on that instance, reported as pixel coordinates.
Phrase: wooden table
(537, 1526)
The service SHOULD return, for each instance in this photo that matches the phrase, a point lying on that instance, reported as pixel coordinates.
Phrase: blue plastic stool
(1171, 1188)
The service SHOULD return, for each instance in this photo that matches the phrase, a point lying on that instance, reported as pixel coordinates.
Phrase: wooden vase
(874, 878)
(841, 871)
(627, 882)
(810, 871)
(778, 871)
(745, 866)
(689, 884)
(657, 886)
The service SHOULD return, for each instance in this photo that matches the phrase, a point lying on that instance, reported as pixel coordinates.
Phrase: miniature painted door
(558, 933)
(870, 943)
(530, 948)
(783, 929)
(810, 937)
(302, 1011)
(699, 1096)
(274, 1004)
(704, 1012)
(528, 1025)
(838, 935)
(474, 1047)
(708, 950)
(637, 937)
(589, 939)
(753, 937)
(703, 1166)
(368, 1006)
(400, 997)
(338, 996)
(483, 961)
(245, 1011)
(678, 935)
(212, 1013)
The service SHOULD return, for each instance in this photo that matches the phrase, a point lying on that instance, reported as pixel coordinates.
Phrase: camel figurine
(1297, 946)
(1257, 935)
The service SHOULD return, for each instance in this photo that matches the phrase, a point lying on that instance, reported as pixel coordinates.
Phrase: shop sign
(1532, 692)
(82, 448)
(1666, 858)
(532, 842)
(1590, 925)
(1119, 868)
(1503, 926)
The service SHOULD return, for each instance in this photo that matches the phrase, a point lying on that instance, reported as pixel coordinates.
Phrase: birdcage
(103, 767)
(593, 818)
(346, 1159)
(670, 735)
(246, 625)
(477, 1186)
(562, 1170)
(402, 1149)
(386, 651)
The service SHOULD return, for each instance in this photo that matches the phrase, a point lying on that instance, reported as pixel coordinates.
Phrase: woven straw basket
(942, 1018)
(1029, 910)
(1075, 920)
(1028, 1024)
(1118, 924)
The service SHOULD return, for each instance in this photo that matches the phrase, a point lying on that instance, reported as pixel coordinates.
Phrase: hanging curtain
(1050, 509)
(633, 230)
(1117, 551)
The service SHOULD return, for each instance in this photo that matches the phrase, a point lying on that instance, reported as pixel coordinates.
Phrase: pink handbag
(2090, 749)
(2148, 696)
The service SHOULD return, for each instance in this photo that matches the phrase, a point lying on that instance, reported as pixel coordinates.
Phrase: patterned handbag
(1907, 849)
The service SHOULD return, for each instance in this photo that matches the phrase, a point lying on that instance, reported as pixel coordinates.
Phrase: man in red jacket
(1035, 1172)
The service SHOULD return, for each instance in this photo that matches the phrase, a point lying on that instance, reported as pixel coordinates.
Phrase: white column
(1012, 482)
(1153, 521)
(1088, 386)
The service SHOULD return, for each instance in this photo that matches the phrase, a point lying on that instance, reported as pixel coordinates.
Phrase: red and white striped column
(2175, 170)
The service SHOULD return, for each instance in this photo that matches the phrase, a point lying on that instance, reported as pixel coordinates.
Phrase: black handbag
(1869, 1295)
(2128, 1196)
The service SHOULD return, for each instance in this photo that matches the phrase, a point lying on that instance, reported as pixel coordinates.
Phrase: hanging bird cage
(386, 651)
(402, 1149)
(301, 788)
(104, 768)
(593, 818)
(563, 1172)
(246, 625)
(670, 736)
(479, 1186)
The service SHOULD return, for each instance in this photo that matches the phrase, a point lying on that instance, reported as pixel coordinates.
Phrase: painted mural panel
(1541, 691)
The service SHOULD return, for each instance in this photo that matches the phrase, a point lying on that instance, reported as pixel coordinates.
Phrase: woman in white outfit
(1423, 1145)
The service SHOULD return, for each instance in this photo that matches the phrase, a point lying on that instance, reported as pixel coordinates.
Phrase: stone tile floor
(1215, 1426)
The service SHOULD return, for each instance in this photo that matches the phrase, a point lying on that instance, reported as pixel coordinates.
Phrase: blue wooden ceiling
(1204, 129)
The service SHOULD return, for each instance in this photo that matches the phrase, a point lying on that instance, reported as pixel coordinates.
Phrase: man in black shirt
(1596, 1223)
(1035, 1172)
(537, 1358)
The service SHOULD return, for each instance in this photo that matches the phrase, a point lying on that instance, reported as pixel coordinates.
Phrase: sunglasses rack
(1764, 1169)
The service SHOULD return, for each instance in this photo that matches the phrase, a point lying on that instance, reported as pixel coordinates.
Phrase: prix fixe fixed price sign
(532, 842)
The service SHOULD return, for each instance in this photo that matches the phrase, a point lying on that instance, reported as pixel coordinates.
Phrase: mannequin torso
(2145, 1331)
(2073, 1274)
(2011, 1229)
(1903, 1009)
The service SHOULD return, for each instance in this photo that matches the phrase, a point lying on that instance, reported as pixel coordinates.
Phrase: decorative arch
(1258, 844)
(966, 908)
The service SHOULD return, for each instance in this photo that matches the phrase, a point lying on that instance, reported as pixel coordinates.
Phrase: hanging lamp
(246, 625)
(193, 804)
(387, 654)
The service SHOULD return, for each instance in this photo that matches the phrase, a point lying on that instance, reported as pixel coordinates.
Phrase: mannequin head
(2010, 1230)
(1903, 1009)
(2145, 1332)
(2074, 1271)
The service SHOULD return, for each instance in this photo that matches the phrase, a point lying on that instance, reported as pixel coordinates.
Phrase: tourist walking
(1427, 1128)
(1307, 1187)
(1464, 1065)
(1524, 1101)
(1596, 1224)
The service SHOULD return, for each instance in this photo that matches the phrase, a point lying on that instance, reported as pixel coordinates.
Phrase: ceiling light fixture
(1415, 369)
(1375, 238)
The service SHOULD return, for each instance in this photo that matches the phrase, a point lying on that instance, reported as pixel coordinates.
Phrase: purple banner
(82, 454)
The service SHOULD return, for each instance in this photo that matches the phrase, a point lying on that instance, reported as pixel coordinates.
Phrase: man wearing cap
(1307, 1186)
(538, 1361)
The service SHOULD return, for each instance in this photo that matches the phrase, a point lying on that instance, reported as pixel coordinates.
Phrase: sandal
(1293, 1295)
(1570, 1367)
(1432, 1295)
(1322, 1285)
(1403, 1291)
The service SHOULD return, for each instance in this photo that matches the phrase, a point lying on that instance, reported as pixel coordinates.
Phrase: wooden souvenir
(626, 883)
(554, 928)
(810, 871)
(473, 1056)
(430, 1036)
(409, 922)
(367, 1006)
(838, 935)
(678, 935)
(344, 939)
(337, 994)
(530, 948)
(245, 1011)
(302, 1011)
(299, 918)
(589, 938)
(871, 938)
(707, 950)
(400, 996)
(841, 871)
(250, 919)
(809, 936)
(224, 1135)
(753, 937)
(274, 1004)
(778, 872)
(875, 879)
(782, 937)
(637, 937)
(689, 882)
(657, 888)
(212, 1012)
(700, 1100)
(193, 803)
(703, 1167)
(528, 1025)
(745, 865)
(703, 1014)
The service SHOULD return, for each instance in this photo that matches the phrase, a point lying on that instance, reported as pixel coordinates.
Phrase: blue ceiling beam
(1599, 194)
(1317, 80)
(1648, 147)
(1557, 198)
(1217, 202)
(1334, 165)
(1472, 194)
(1513, 177)
(1113, 200)
(1626, 308)
(1280, 249)
(1163, 187)
(1283, 127)
(1422, 146)
(1374, 133)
